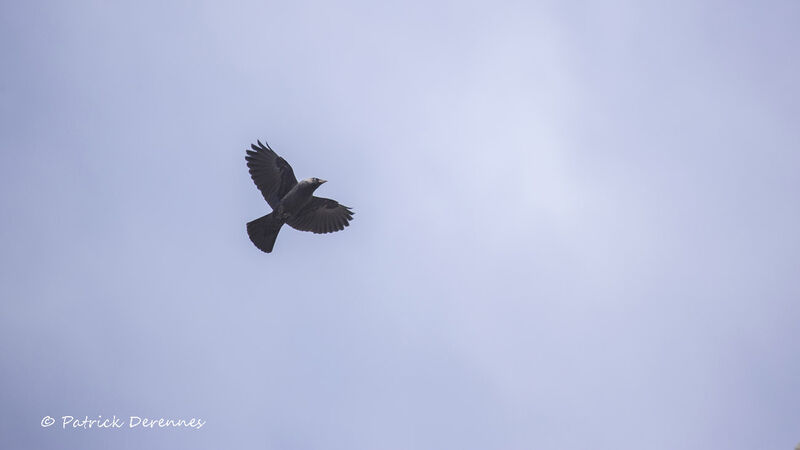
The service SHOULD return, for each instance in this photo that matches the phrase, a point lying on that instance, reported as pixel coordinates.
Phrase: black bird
(292, 203)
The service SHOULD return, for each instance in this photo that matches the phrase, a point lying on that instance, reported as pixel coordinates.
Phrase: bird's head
(314, 182)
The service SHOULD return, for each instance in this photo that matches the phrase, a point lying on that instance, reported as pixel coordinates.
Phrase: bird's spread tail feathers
(263, 232)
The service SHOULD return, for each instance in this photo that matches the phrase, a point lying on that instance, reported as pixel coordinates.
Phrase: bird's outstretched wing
(322, 215)
(273, 176)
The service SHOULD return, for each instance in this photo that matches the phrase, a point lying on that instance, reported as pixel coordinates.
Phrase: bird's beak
(322, 181)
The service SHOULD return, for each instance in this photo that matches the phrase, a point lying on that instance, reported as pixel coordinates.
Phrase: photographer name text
(114, 422)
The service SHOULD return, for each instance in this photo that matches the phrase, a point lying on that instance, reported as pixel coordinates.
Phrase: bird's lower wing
(322, 215)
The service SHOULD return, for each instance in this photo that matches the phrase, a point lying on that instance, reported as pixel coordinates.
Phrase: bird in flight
(292, 202)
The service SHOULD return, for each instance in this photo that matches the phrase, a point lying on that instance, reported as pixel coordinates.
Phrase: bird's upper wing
(273, 176)
(322, 215)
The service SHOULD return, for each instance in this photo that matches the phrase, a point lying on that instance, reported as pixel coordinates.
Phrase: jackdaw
(292, 203)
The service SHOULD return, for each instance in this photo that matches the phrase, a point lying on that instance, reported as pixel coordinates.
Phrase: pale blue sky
(576, 224)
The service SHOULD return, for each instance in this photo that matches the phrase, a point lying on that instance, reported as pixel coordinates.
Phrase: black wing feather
(322, 215)
(272, 175)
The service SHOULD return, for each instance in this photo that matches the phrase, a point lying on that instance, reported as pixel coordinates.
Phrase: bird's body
(298, 197)
(292, 202)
